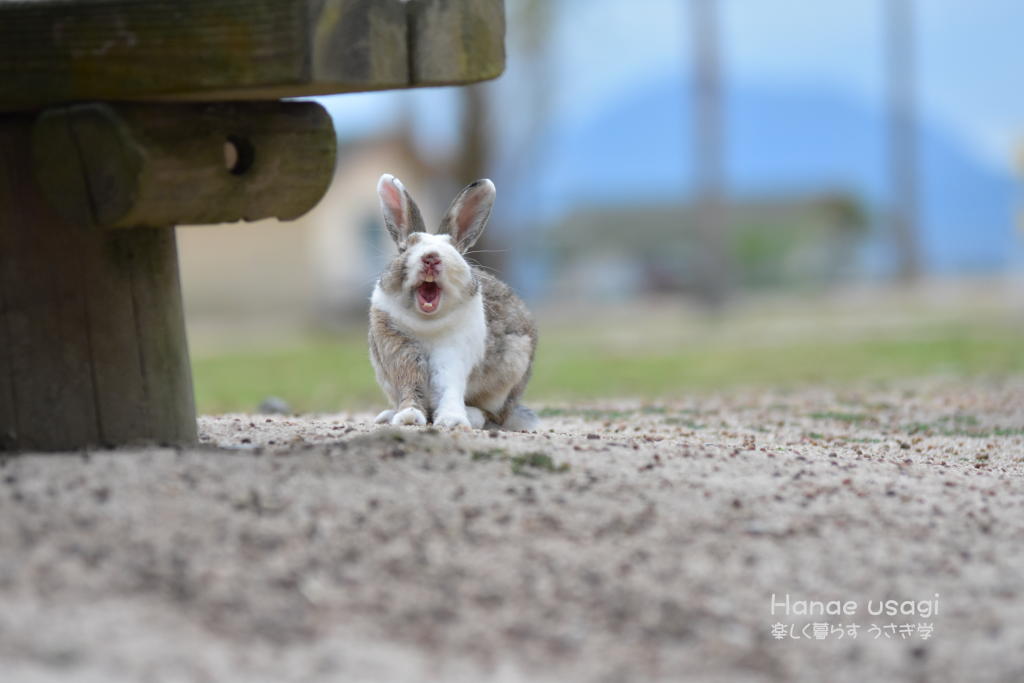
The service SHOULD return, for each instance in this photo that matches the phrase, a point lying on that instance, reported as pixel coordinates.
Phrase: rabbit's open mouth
(428, 296)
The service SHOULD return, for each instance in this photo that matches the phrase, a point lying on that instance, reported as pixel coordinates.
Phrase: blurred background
(693, 195)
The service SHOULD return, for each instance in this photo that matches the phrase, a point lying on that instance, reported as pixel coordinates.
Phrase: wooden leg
(92, 334)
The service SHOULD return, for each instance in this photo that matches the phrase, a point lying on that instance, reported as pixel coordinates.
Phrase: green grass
(325, 375)
(536, 461)
(840, 417)
(335, 374)
(489, 455)
(567, 373)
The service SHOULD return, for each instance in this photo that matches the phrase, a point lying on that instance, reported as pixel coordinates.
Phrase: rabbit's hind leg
(477, 419)
(522, 419)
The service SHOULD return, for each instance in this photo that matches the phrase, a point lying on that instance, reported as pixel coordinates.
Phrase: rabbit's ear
(468, 214)
(401, 215)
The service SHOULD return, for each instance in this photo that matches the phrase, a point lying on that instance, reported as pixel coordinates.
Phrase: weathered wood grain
(122, 408)
(456, 41)
(158, 165)
(92, 341)
(65, 51)
(362, 43)
(152, 259)
(8, 407)
(44, 310)
(61, 51)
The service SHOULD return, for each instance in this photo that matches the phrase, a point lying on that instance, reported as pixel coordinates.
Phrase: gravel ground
(623, 542)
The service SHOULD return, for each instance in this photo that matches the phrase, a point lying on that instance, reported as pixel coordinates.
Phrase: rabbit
(450, 344)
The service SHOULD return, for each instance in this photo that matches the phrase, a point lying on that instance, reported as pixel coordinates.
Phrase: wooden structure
(120, 119)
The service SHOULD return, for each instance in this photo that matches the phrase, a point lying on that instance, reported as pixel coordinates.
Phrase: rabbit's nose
(431, 262)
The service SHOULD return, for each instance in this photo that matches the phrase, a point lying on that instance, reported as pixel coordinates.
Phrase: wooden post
(92, 336)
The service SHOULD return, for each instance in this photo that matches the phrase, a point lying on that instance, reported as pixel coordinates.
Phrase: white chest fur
(453, 341)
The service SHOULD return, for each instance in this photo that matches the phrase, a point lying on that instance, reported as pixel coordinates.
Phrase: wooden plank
(199, 50)
(456, 41)
(52, 52)
(44, 310)
(59, 51)
(152, 256)
(362, 43)
(153, 165)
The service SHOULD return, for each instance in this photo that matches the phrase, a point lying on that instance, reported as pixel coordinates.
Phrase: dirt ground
(623, 542)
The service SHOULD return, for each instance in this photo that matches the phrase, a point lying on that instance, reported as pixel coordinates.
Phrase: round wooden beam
(156, 165)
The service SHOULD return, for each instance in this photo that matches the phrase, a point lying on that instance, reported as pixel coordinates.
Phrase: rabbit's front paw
(384, 417)
(452, 420)
(409, 416)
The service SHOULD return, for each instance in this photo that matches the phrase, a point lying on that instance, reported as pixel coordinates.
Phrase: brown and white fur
(450, 344)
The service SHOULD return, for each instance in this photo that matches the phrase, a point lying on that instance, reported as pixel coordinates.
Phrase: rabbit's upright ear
(468, 214)
(401, 215)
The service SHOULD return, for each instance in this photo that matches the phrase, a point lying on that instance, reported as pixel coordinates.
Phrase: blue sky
(969, 57)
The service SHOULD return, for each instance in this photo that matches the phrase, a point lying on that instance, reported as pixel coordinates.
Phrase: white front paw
(476, 417)
(409, 416)
(452, 419)
(384, 417)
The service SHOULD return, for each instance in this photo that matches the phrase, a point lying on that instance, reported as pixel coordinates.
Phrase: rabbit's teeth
(429, 278)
